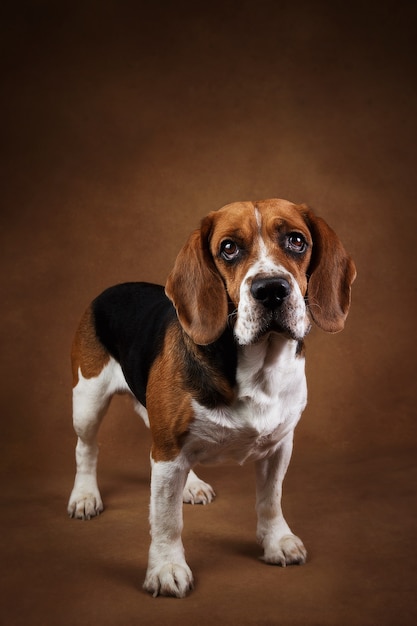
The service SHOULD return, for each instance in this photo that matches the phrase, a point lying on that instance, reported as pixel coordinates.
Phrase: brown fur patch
(169, 406)
(197, 290)
(87, 353)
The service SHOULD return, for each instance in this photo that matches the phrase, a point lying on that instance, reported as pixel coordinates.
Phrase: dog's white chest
(271, 395)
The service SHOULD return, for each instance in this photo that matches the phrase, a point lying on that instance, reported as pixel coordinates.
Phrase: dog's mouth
(276, 325)
(281, 323)
(251, 324)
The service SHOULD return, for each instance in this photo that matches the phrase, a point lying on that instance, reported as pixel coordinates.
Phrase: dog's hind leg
(196, 491)
(91, 398)
(96, 378)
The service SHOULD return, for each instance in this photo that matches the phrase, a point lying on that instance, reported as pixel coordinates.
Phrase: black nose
(271, 292)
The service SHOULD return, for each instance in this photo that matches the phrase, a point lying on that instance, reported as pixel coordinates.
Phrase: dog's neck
(269, 351)
(261, 365)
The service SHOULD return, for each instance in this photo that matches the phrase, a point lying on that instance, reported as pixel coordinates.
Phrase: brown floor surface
(124, 124)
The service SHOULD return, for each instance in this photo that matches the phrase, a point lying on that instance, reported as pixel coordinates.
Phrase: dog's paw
(172, 579)
(85, 505)
(289, 550)
(196, 491)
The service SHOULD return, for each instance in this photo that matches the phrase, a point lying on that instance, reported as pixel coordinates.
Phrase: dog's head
(261, 267)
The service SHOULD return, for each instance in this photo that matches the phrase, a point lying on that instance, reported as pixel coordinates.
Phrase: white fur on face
(253, 320)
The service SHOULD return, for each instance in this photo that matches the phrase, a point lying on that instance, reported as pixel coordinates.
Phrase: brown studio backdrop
(124, 124)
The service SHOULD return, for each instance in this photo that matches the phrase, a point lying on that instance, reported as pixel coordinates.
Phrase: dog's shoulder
(210, 371)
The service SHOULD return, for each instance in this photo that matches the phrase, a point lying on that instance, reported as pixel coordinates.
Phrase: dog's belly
(231, 445)
(239, 434)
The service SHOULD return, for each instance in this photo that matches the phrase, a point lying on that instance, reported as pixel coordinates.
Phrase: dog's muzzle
(277, 310)
(270, 304)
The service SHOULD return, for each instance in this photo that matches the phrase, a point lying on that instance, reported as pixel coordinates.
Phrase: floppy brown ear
(332, 273)
(196, 289)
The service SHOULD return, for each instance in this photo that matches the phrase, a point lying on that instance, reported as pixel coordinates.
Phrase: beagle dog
(215, 364)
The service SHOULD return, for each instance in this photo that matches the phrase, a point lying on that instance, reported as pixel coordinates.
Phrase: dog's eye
(229, 250)
(296, 243)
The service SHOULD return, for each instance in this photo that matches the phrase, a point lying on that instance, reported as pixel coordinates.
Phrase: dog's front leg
(281, 546)
(168, 573)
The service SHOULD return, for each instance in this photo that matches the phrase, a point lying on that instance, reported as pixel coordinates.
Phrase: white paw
(85, 505)
(196, 491)
(172, 579)
(289, 550)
